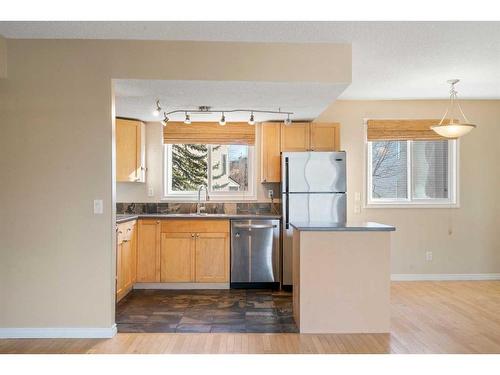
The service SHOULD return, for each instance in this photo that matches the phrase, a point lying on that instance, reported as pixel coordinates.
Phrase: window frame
(410, 202)
(170, 195)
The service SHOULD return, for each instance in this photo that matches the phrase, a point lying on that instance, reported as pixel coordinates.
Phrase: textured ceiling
(137, 98)
(391, 60)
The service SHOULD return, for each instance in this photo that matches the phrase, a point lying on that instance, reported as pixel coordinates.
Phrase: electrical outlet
(270, 194)
(428, 256)
(357, 196)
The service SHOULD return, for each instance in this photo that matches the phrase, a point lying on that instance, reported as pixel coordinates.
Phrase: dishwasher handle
(254, 226)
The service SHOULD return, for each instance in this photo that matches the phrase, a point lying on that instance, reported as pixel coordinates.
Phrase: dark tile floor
(234, 310)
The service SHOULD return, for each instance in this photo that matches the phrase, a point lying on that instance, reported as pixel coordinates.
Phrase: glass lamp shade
(453, 130)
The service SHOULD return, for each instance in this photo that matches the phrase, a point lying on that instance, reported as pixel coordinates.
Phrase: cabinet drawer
(195, 226)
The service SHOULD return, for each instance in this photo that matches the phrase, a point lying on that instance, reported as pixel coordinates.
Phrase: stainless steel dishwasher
(255, 253)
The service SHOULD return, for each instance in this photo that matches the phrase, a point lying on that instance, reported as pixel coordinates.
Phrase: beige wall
(474, 245)
(56, 156)
(138, 192)
(3, 57)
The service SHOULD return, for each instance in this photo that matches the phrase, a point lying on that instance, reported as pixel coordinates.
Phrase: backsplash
(185, 208)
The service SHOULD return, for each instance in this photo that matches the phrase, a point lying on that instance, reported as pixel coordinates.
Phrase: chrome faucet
(199, 207)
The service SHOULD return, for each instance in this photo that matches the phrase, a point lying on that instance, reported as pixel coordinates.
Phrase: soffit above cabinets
(137, 98)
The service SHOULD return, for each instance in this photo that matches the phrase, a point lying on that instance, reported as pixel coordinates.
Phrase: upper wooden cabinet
(324, 137)
(295, 137)
(130, 151)
(313, 136)
(148, 251)
(270, 152)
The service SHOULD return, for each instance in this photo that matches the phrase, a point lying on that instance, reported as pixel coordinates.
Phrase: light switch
(151, 192)
(357, 208)
(98, 207)
(357, 196)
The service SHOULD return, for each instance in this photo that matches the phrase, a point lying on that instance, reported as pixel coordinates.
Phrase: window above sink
(227, 171)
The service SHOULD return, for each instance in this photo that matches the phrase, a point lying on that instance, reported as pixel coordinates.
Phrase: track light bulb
(157, 110)
(165, 119)
(252, 120)
(288, 121)
(187, 120)
(222, 120)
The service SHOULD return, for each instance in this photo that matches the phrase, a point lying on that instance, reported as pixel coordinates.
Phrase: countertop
(367, 226)
(122, 218)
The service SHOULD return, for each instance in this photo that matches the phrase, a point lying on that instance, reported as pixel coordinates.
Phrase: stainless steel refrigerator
(313, 187)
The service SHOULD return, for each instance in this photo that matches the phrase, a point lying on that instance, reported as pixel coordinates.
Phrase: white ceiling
(391, 60)
(137, 98)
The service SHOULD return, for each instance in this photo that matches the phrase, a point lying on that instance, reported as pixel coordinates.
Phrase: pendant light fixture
(222, 120)
(454, 128)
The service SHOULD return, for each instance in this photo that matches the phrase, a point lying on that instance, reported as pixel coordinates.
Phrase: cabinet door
(212, 258)
(295, 137)
(120, 283)
(270, 152)
(148, 251)
(126, 272)
(325, 137)
(177, 257)
(129, 150)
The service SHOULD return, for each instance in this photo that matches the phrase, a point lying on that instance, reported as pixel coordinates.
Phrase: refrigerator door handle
(287, 195)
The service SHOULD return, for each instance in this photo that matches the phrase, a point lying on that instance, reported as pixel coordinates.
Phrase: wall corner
(3, 57)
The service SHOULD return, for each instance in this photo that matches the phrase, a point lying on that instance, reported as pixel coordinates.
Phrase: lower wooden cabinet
(126, 252)
(212, 257)
(148, 251)
(177, 257)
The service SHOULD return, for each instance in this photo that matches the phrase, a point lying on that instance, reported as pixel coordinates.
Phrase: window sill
(411, 205)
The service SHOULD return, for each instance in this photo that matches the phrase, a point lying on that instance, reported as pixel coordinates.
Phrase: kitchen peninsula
(341, 277)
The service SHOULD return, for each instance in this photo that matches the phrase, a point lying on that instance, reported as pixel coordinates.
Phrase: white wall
(57, 259)
(474, 245)
(138, 192)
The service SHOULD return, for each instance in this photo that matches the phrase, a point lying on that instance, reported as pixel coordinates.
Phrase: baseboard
(444, 276)
(181, 286)
(57, 333)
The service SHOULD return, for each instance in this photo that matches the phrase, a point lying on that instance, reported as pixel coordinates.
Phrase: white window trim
(169, 195)
(453, 177)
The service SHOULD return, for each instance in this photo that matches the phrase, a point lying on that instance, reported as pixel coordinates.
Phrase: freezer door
(330, 207)
(313, 172)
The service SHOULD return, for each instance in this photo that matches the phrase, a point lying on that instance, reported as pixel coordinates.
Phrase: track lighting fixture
(157, 110)
(252, 120)
(165, 119)
(187, 120)
(222, 120)
(206, 110)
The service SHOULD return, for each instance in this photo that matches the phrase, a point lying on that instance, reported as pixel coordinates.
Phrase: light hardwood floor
(427, 317)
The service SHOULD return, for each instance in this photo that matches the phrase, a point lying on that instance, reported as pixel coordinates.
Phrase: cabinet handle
(197, 235)
(158, 222)
(192, 235)
(120, 232)
(125, 240)
(129, 229)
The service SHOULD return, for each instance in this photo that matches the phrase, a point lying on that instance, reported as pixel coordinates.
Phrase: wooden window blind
(233, 133)
(417, 130)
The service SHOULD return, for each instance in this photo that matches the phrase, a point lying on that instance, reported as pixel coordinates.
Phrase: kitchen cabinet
(177, 257)
(148, 251)
(270, 152)
(324, 136)
(130, 150)
(212, 257)
(313, 136)
(126, 246)
(295, 137)
(195, 251)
